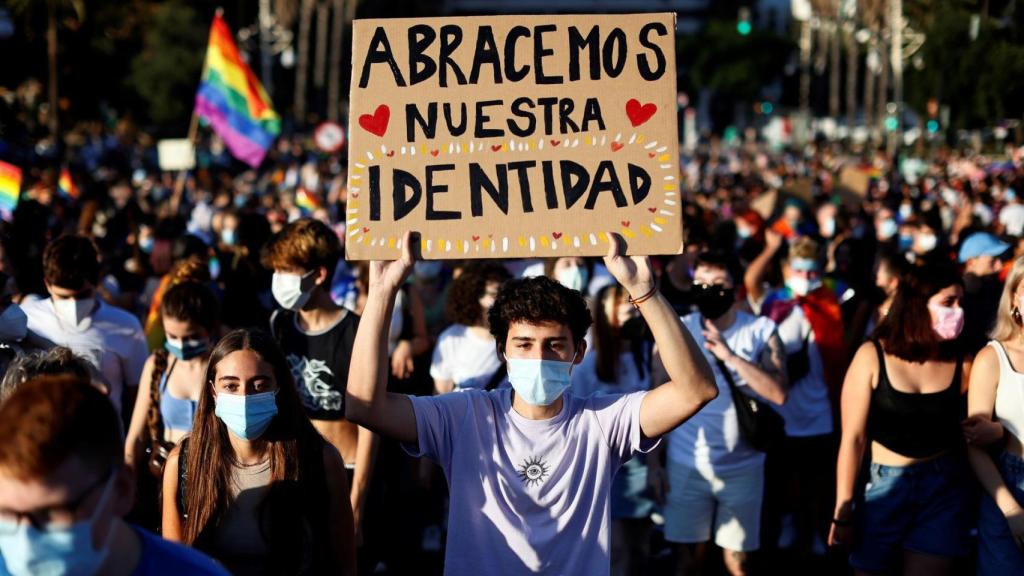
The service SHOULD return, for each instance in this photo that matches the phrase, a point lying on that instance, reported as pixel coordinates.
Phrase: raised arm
(753, 279)
(691, 383)
(855, 404)
(368, 402)
(133, 445)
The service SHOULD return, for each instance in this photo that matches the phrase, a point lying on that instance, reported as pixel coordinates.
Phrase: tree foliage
(734, 66)
(981, 80)
(166, 73)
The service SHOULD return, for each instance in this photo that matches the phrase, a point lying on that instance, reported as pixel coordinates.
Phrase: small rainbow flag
(233, 101)
(306, 201)
(10, 189)
(66, 185)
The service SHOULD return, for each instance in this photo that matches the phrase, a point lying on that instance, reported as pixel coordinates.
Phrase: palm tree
(302, 60)
(54, 8)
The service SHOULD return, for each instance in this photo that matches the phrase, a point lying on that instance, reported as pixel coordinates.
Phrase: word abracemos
(433, 51)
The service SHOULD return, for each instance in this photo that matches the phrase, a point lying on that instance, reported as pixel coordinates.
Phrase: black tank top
(916, 425)
(319, 361)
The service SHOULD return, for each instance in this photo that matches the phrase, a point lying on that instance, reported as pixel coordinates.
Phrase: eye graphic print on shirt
(313, 379)
(533, 471)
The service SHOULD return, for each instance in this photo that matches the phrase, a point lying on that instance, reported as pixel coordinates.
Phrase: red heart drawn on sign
(556, 142)
(638, 114)
(475, 237)
(354, 194)
(616, 146)
(434, 152)
(391, 153)
(652, 210)
(625, 223)
(556, 235)
(365, 229)
(652, 154)
(377, 123)
(495, 147)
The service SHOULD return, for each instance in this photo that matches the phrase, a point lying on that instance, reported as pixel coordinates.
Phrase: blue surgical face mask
(214, 265)
(146, 244)
(573, 278)
(186, 349)
(247, 416)
(539, 382)
(227, 236)
(54, 551)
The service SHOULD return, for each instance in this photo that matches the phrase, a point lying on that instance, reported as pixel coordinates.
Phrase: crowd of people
(824, 380)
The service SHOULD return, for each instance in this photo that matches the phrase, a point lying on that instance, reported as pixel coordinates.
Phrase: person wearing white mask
(811, 329)
(65, 488)
(73, 316)
(530, 467)
(316, 336)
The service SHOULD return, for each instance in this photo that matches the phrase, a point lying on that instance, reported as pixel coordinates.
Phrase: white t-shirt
(1012, 217)
(711, 439)
(808, 409)
(111, 339)
(467, 360)
(528, 496)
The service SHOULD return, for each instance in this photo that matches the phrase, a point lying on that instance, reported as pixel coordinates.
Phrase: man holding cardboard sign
(530, 468)
(506, 137)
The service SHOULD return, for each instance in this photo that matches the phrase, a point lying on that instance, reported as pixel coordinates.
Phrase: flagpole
(193, 129)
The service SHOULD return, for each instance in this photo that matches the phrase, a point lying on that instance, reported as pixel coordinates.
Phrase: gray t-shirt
(528, 496)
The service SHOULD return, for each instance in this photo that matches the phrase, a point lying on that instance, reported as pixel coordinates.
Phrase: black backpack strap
(182, 478)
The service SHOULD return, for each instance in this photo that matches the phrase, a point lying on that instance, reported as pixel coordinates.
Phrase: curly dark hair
(535, 300)
(463, 304)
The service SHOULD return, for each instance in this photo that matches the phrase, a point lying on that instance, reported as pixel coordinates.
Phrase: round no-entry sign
(329, 137)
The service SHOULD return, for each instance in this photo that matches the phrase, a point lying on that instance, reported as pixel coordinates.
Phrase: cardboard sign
(515, 136)
(176, 154)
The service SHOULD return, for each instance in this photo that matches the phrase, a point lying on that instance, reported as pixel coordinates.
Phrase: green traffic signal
(891, 124)
(743, 27)
(933, 126)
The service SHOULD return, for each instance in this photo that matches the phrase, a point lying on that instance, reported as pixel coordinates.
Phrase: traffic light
(743, 25)
(933, 126)
(767, 108)
(891, 124)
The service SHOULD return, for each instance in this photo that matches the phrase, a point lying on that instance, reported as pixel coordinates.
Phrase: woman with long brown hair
(254, 485)
(903, 399)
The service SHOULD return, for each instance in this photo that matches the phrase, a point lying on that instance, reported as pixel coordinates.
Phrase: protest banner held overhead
(521, 136)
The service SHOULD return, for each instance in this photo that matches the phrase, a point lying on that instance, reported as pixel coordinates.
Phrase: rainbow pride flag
(10, 189)
(233, 101)
(306, 201)
(66, 185)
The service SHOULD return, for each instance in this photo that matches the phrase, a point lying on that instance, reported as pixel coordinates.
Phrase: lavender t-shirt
(528, 496)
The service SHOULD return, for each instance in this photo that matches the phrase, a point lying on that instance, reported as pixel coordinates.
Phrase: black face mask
(634, 329)
(713, 300)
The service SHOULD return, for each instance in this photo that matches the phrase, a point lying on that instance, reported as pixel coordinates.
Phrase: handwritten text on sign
(513, 136)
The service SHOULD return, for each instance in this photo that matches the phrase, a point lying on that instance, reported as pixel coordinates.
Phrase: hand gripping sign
(519, 136)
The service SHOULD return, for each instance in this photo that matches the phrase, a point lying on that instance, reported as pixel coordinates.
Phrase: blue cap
(982, 244)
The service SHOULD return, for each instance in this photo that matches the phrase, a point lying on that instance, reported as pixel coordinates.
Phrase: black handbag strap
(727, 374)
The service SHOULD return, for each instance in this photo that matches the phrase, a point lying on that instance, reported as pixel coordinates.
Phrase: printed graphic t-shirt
(319, 361)
(528, 496)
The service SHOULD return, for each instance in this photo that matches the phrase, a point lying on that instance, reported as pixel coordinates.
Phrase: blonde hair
(803, 247)
(1006, 326)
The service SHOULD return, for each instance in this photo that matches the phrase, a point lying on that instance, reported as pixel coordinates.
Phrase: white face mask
(927, 242)
(287, 290)
(73, 312)
(574, 278)
(13, 324)
(802, 286)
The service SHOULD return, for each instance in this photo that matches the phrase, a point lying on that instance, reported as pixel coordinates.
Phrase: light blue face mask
(186, 349)
(248, 416)
(52, 551)
(539, 382)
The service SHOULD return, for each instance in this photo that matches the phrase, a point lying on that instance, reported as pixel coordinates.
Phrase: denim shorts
(923, 507)
(997, 552)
